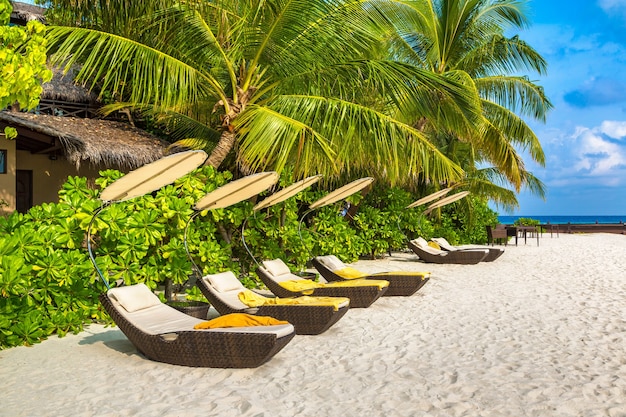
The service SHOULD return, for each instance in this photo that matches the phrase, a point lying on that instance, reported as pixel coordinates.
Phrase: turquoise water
(567, 219)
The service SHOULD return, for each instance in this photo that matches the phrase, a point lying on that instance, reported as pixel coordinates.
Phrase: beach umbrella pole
(90, 248)
(196, 271)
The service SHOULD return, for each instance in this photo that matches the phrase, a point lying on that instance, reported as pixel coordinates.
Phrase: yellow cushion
(434, 245)
(359, 282)
(239, 320)
(409, 273)
(252, 299)
(305, 286)
(404, 273)
(349, 273)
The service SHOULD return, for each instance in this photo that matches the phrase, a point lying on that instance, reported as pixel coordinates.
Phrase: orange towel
(239, 320)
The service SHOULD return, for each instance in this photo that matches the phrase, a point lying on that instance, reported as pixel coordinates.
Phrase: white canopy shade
(429, 198)
(236, 191)
(447, 200)
(153, 176)
(343, 192)
(287, 192)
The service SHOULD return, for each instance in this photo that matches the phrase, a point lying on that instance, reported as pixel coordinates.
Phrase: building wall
(48, 177)
(7, 181)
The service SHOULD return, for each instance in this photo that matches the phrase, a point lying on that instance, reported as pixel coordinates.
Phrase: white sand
(539, 332)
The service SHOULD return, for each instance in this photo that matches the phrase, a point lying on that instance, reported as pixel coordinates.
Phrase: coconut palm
(275, 84)
(466, 38)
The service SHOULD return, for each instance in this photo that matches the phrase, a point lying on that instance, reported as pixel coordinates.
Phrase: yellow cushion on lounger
(434, 245)
(252, 299)
(239, 320)
(305, 286)
(349, 273)
(359, 282)
(409, 273)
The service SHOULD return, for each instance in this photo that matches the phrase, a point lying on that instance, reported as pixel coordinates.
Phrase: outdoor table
(523, 230)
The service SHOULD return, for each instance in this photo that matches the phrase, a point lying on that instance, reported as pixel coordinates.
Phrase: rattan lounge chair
(401, 283)
(432, 255)
(222, 290)
(159, 331)
(272, 273)
(165, 334)
(494, 253)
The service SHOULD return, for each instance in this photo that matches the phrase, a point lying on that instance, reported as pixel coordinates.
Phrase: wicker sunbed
(429, 254)
(494, 253)
(164, 334)
(222, 291)
(360, 296)
(400, 283)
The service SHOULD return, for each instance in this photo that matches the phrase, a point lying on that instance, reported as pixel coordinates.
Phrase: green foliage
(48, 283)
(23, 62)
(525, 221)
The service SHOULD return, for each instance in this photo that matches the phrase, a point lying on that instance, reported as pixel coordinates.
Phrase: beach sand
(539, 332)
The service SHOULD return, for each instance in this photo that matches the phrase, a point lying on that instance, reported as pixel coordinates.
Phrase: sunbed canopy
(153, 176)
(287, 192)
(448, 200)
(236, 191)
(343, 192)
(429, 198)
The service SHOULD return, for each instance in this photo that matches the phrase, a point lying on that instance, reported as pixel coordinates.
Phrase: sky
(584, 136)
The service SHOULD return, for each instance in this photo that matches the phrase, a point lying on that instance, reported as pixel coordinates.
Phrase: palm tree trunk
(221, 150)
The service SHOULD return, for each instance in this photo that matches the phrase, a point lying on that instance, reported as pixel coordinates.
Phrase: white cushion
(134, 297)
(224, 281)
(276, 267)
(443, 243)
(331, 262)
(420, 241)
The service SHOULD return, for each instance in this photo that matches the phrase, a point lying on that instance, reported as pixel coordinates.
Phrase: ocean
(567, 219)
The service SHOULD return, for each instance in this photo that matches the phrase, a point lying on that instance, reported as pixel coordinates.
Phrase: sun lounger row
(252, 328)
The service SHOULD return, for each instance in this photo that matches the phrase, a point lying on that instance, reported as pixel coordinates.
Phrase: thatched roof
(24, 12)
(94, 141)
(62, 87)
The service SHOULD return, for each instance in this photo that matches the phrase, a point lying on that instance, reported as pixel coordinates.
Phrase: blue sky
(584, 137)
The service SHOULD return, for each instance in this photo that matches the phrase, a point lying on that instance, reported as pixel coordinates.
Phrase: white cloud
(613, 7)
(599, 157)
(608, 5)
(613, 129)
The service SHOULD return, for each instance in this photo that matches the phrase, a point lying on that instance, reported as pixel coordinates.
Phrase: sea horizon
(564, 219)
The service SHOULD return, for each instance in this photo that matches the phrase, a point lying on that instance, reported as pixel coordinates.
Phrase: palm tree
(276, 84)
(466, 39)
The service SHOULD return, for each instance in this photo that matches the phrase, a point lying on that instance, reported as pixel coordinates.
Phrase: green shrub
(48, 283)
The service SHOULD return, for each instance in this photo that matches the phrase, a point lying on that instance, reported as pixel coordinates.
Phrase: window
(3, 161)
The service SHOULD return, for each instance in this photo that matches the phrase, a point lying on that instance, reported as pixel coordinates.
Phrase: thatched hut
(93, 141)
(50, 148)
(23, 13)
(65, 137)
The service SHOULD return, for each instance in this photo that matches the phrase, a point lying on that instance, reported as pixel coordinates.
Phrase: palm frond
(515, 94)
(129, 69)
(363, 138)
(515, 130)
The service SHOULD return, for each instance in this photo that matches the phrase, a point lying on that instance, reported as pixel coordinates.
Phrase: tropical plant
(467, 39)
(296, 86)
(23, 63)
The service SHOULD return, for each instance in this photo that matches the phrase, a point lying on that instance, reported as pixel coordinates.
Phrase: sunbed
(401, 283)
(494, 253)
(430, 254)
(309, 315)
(276, 275)
(165, 334)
